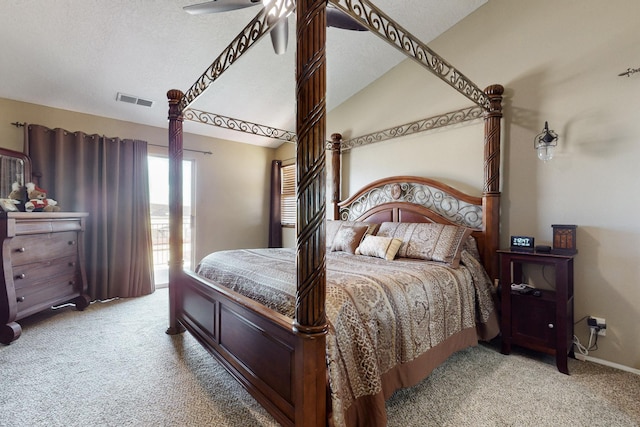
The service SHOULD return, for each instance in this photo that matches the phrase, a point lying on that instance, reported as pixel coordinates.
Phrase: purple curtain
(275, 219)
(107, 177)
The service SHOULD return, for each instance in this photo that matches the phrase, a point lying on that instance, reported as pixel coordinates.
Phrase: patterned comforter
(381, 314)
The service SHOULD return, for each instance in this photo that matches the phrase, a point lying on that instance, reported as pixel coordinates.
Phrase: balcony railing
(160, 245)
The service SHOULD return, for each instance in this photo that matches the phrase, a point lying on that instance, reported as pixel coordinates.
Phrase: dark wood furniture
(542, 323)
(286, 372)
(42, 265)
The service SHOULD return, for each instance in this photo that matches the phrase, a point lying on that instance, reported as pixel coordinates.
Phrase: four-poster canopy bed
(284, 356)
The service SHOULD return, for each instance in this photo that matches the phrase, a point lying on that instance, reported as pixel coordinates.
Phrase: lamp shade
(545, 143)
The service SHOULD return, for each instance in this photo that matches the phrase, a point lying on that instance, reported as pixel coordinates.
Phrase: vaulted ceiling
(78, 55)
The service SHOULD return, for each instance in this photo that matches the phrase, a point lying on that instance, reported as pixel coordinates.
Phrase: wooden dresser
(42, 265)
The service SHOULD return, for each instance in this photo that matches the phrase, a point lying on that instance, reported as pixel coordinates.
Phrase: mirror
(14, 167)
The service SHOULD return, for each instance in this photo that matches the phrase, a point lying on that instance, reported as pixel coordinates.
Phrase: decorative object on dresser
(542, 321)
(42, 266)
(564, 239)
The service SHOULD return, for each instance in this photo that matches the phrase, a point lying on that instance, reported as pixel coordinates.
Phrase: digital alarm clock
(522, 244)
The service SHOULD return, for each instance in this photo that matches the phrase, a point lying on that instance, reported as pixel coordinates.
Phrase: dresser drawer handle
(72, 282)
(21, 276)
(21, 250)
(72, 264)
(550, 325)
(72, 242)
(20, 299)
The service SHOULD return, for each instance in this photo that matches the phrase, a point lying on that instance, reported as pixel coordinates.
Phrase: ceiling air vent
(130, 99)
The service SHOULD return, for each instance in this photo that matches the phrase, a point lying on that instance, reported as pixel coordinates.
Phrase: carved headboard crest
(447, 202)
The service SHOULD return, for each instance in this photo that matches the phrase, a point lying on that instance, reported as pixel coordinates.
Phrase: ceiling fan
(280, 32)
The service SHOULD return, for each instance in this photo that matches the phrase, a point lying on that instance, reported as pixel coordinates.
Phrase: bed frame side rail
(258, 346)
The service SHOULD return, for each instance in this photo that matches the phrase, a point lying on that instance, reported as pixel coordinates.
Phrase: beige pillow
(333, 226)
(348, 238)
(428, 241)
(331, 231)
(380, 247)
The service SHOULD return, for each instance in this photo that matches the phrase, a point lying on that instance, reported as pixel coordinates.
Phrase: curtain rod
(19, 125)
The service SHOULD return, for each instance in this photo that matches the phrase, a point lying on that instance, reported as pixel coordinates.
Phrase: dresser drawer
(39, 226)
(28, 249)
(32, 299)
(43, 272)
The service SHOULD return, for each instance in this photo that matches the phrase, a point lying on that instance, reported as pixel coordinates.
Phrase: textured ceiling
(78, 54)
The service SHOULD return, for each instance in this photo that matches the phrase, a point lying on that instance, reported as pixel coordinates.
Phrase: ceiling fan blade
(217, 6)
(280, 36)
(338, 19)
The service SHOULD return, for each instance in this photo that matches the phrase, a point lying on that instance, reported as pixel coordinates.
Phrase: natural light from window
(159, 204)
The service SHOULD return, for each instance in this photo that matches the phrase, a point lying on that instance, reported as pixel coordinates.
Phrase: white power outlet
(602, 323)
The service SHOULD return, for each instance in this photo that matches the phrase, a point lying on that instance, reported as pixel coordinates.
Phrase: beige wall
(232, 190)
(559, 61)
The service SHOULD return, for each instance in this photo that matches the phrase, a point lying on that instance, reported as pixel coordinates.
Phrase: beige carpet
(113, 365)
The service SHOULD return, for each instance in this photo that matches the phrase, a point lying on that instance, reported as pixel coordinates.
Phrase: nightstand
(542, 323)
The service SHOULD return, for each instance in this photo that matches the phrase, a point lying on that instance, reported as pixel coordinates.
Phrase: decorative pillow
(348, 238)
(377, 246)
(428, 241)
(334, 226)
(331, 231)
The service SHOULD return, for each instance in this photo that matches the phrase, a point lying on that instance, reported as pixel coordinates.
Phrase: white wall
(559, 61)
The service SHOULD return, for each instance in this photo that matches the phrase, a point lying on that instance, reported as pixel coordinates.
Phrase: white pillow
(380, 247)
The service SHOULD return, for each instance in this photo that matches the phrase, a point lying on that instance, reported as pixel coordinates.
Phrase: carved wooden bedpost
(310, 316)
(491, 192)
(336, 141)
(175, 205)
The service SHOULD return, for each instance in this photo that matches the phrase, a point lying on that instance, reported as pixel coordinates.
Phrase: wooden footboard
(258, 346)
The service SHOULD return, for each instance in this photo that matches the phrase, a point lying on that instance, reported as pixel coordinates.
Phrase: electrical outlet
(599, 324)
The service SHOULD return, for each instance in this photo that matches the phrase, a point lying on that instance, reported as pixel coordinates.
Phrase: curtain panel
(275, 214)
(109, 179)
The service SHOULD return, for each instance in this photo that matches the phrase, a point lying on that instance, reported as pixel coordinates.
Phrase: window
(288, 196)
(159, 198)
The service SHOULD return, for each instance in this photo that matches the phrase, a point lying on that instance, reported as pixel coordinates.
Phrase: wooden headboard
(418, 199)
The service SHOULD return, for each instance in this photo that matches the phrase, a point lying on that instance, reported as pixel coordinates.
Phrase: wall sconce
(545, 142)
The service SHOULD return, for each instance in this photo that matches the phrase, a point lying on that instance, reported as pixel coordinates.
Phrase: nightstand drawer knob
(20, 299)
(21, 276)
(550, 325)
(22, 250)
(72, 242)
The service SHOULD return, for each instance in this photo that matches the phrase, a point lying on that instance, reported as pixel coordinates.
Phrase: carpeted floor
(113, 365)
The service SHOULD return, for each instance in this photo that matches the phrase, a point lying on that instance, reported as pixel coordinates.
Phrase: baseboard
(607, 363)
